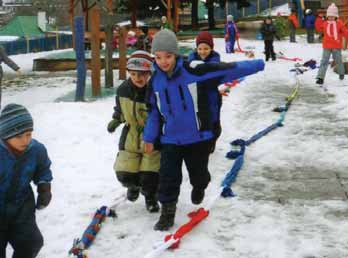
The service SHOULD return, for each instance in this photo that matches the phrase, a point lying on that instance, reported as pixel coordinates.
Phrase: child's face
(165, 60)
(204, 50)
(331, 18)
(20, 142)
(268, 21)
(139, 79)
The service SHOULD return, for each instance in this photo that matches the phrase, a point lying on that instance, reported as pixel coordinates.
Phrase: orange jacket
(293, 19)
(333, 33)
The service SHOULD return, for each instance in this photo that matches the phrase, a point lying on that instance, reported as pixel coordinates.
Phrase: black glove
(44, 195)
(112, 125)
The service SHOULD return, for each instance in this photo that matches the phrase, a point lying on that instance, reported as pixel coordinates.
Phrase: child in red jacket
(293, 25)
(333, 30)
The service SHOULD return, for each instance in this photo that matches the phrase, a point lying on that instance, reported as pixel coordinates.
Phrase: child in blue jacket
(209, 92)
(22, 160)
(231, 34)
(180, 122)
(309, 22)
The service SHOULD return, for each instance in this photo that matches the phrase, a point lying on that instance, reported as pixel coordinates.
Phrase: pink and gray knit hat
(332, 10)
(140, 61)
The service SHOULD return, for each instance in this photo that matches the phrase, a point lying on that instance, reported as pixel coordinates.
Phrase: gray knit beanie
(14, 120)
(165, 40)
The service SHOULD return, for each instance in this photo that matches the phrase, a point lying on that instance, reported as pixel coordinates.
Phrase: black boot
(166, 219)
(320, 81)
(133, 193)
(341, 76)
(151, 204)
(197, 195)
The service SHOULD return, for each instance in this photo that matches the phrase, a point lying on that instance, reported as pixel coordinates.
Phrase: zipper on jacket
(168, 101)
(182, 97)
(136, 119)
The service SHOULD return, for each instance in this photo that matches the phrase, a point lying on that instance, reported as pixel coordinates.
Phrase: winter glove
(44, 195)
(112, 125)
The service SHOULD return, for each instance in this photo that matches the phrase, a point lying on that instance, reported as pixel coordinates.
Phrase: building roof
(22, 26)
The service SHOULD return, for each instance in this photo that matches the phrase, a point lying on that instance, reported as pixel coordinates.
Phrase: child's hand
(112, 125)
(148, 147)
(44, 195)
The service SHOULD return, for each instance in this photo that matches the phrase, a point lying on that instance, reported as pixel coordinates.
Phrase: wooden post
(72, 15)
(169, 11)
(258, 7)
(57, 38)
(109, 77)
(80, 58)
(122, 55)
(109, 74)
(134, 5)
(176, 15)
(95, 47)
(270, 7)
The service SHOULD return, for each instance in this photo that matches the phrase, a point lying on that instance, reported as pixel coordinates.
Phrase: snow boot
(320, 81)
(341, 77)
(274, 57)
(133, 193)
(197, 195)
(166, 219)
(151, 204)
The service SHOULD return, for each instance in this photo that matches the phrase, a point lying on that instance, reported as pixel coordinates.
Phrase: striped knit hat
(140, 61)
(14, 120)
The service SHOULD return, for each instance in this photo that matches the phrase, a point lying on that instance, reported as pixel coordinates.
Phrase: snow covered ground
(291, 194)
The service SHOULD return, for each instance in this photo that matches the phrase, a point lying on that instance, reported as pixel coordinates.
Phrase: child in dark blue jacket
(176, 117)
(309, 22)
(22, 160)
(209, 92)
(231, 34)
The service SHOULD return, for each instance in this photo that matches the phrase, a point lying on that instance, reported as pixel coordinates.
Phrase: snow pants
(18, 228)
(196, 158)
(324, 63)
(138, 170)
(230, 46)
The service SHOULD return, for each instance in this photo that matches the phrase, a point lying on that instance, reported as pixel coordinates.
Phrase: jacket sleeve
(319, 25)
(118, 115)
(43, 173)
(152, 124)
(228, 71)
(8, 60)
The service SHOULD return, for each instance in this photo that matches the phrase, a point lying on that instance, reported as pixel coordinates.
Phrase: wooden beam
(122, 48)
(134, 6)
(95, 46)
(169, 11)
(176, 15)
(72, 14)
(109, 5)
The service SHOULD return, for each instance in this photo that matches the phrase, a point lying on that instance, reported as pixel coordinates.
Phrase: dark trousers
(292, 33)
(310, 35)
(269, 51)
(147, 181)
(196, 158)
(20, 230)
